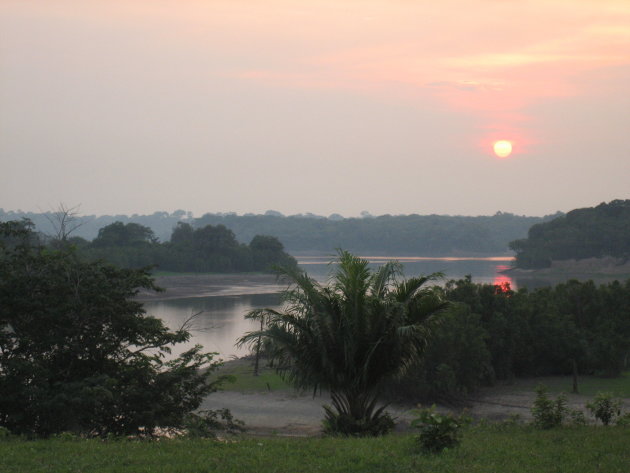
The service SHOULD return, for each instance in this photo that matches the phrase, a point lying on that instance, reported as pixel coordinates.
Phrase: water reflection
(483, 270)
(220, 320)
(221, 316)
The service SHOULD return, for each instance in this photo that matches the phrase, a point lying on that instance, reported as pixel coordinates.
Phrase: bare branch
(64, 221)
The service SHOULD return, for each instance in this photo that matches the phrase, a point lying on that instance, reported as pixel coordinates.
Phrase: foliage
(429, 235)
(207, 423)
(204, 249)
(576, 417)
(351, 336)
(456, 360)
(548, 413)
(623, 420)
(591, 232)
(605, 408)
(79, 354)
(438, 431)
(543, 331)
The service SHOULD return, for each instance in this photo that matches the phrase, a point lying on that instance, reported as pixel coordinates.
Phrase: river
(220, 309)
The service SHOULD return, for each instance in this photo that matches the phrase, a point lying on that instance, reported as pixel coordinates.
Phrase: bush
(548, 413)
(207, 423)
(437, 431)
(4, 433)
(605, 408)
(577, 417)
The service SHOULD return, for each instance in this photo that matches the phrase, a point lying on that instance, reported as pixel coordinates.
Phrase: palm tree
(350, 337)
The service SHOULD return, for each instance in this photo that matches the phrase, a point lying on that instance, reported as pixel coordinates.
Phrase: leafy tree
(123, 234)
(78, 353)
(350, 337)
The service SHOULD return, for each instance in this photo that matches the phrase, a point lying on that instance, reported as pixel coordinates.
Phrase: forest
(591, 232)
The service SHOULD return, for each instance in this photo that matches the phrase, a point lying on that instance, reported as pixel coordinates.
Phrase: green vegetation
(200, 250)
(421, 235)
(492, 333)
(438, 432)
(78, 354)
(589, 385)
(592, 232)
(605, 408)
(548, 413)
(244, 379)
(516, 449)
(349, 337)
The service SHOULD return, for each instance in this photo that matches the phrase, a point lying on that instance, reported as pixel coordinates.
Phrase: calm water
(220, 319)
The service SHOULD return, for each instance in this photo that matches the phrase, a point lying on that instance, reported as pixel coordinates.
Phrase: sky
(322, 106)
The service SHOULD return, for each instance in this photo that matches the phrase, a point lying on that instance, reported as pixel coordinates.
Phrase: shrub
(438, 431)
(577, 417)
(4, 433)
(605, 407)
(548, 413)
(207, 423)
(623, 420)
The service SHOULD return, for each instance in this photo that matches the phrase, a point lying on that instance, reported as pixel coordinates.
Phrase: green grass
(587, 385)
(513, 449)
(245, 381)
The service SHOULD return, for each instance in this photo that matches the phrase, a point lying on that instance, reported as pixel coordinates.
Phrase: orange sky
(154, 75)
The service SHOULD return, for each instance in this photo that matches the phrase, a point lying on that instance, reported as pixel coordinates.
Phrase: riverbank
(269, 406)
(189, 285)
(599, 269)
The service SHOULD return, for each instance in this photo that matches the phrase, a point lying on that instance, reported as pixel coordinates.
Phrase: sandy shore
(291, 413)
(204, 285)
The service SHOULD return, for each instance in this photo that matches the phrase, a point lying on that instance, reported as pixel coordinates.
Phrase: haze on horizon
(318, 106)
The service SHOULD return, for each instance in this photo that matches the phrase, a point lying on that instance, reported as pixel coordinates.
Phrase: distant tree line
(591, 232)
(421, 235)
(204, 249)
(493, 333)
(424, 235)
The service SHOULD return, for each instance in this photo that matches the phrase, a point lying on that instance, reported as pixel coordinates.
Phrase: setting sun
(503, 148)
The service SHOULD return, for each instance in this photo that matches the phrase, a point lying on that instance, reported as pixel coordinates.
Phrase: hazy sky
(390, 106)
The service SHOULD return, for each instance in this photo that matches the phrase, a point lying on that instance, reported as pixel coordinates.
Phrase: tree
(124, 234)
(78, 353)
(64, 221)
(350, 337)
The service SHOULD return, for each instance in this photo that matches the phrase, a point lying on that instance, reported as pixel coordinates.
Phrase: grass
(245, 381)
(485, 449)
(587, 385)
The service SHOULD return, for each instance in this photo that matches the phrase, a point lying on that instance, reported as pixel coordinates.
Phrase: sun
(502, 148)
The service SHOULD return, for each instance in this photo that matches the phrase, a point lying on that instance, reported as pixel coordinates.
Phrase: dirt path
(294, 414)
(284, 413)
